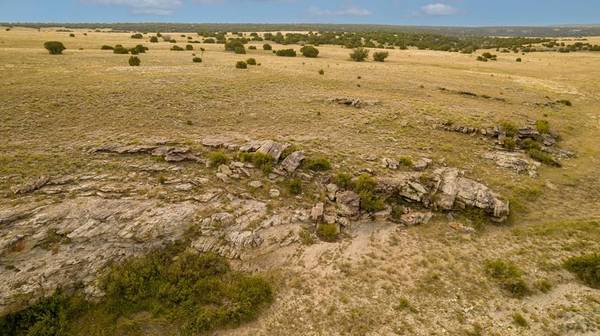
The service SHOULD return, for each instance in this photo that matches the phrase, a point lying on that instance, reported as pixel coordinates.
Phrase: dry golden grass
(55, 107)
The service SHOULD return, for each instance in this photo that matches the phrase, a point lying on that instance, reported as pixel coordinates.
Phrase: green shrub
(176, 48)
(107, 47)
(241, 65)
(542, 126)
(294, 186)
(267, 46)
(309, 51)
(119, 49)
(508, 276)
(240, 50)
(153, 39)
(343, 180)
(217, 158)
(137, 36)
(286, 53)
(528, 144)
(328, 232)
(252, 48)
(543, 157)
(134, 61)
(509, 128)
(370, 203)
(380, 56)
(364, 183)
(289, 150)
(251, 61)
(189, 47)
(405, 161)
(586, 268)
(321, 72)
(197, 60)
(359, 54)
(317, 163)
(519, 320)
(54, 47)
(259, 160)
(510, 144)
(139, 49)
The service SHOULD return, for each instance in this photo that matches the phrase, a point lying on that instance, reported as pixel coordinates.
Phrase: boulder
(422, 164)
(515, 161)
(292, 161)
(348, 203)
(390, 163)
(274, 149)
(332, 189)
(316, 213)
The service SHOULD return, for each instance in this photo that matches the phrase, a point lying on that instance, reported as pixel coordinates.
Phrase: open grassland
(427, 280)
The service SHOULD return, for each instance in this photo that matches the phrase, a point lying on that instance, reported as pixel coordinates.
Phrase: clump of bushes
(328, 232)
(267, 46)
(380, 56)
(343, 180)
(138, 49)
(241, 65)
(54, 47)
(137, 36)
(176, 48)
(153, 39)
(365, 186)
(543, 157)
(359, 54)
(199, 291)
(107, 47)
(542, 126)
(286, 53)
(217, 158)
(251, 61)
(134, 61)
(509, 277)
(586, 267)
(309, 51)
(260, 160)
(119, 49)
(509, 128)
(528, 144)
(197, 60)
(189, 47)
(317, 163)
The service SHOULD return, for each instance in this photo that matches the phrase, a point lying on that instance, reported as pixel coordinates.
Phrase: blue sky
(403, 12)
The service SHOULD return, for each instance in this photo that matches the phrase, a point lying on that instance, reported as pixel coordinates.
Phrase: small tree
(137, 36)
(380, 56)
(241, 65)
(251, 61)
(119, 49)
(309, 51)
(267, 46)
(286, 53)
(154, 39)
(107, 47)
(189, 47)
(359, 54)
(134, 61)
(176, 48)
(54, 47)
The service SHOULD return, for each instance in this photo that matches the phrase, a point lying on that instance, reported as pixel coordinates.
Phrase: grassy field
(427, 280)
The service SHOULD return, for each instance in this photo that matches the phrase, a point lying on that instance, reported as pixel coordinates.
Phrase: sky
(400, 12)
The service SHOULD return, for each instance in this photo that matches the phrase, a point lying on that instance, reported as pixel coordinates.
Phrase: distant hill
(516, 31)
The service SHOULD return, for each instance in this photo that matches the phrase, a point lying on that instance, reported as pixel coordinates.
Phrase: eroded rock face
(45, 247)
(515, 161)
(32, 185)
(348, 203)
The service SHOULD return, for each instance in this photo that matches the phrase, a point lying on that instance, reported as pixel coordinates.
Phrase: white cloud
(438, 9)
(345, 11)
(148, 7)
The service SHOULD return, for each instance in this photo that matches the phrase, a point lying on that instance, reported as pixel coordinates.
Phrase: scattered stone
(224, 169)
(390, 163)
(255, 184)
(31, 185)
(214, 142)
(515, 161)
(332, 189)
(416, 218)
(316, 214)
(461, 227)
(274, 149)
(274, 193)
(292, 161)
(422, 164)
(252, 146)
(348, 203)
(353, 102)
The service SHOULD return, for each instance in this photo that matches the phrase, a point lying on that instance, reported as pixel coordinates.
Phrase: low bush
(543, 157)
(267, 46)
(519, 320)
(294, 186)
(197, 60)
(565, 102)
(251, 61)
(252, 48)
(509, 144)
(189, 47)
(586, 268)
(286, 53)
(139, 49)
(153, 39)
(359, 54)
(509, 128)
(107, 47)
(370, 202)
(542, 126)
(317, 163)
(380, 56)
(343, 180)
(328, 232)
(528, 144)
(134, 61)
(241, 65)
(364, 183)
(217, 158)
(309, 51)
(519, 60)
(509, 277)
(176, 48)
(119, 49)
(260, 160)
(54, 47)
(321, 72)
(405, 161)
(137, 36)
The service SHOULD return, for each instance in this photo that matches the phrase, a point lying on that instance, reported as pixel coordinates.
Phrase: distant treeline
(549, 31)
